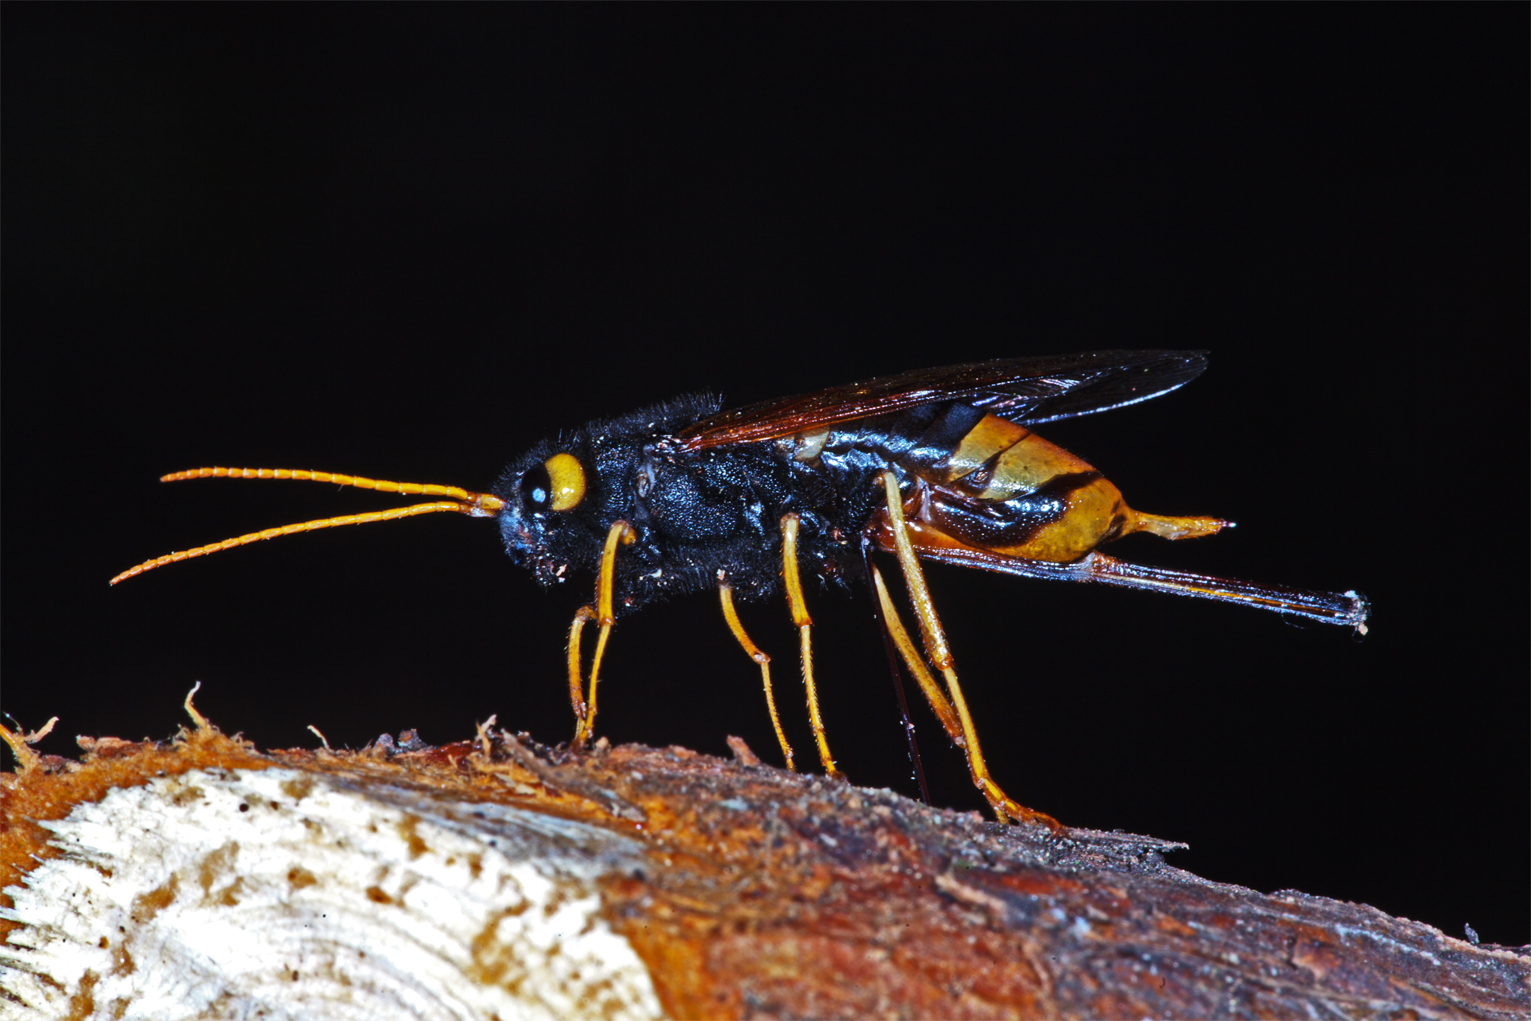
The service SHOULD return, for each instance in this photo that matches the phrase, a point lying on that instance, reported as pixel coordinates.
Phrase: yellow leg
(804, 625)
(941, 657)
(938, 703)
(601, 613)
(576, 674)
(726, 594)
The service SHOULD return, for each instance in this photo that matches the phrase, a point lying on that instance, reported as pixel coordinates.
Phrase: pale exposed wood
(495, 877)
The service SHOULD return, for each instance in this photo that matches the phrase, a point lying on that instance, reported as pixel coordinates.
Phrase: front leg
(601, 613)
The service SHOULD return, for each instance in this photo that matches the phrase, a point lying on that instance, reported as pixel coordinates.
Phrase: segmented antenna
(462, 501)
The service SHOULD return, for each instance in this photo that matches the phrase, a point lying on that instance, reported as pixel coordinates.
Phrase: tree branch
(496, 877)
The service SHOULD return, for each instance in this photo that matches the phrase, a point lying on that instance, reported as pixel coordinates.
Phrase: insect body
(937, 464)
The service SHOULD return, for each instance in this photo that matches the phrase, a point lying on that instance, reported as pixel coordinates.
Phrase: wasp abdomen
(1060, 521)
(997, 460)
(1003, 488)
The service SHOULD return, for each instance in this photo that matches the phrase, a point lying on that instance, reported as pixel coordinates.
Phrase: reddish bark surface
(772, 894)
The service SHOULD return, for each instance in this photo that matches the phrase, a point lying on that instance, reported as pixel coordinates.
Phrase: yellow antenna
(462, 501)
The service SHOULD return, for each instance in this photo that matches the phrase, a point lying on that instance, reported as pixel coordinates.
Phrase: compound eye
(566, 478)
(537, 488)
(556, 484)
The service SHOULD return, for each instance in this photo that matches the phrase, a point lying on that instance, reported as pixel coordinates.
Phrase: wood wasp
(935, 464)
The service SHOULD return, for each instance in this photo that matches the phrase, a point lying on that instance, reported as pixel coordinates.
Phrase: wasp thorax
(556, 484)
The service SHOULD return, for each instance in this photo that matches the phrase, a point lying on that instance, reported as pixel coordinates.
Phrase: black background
(406, 242)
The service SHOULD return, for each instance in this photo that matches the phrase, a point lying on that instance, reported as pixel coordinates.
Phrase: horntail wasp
(936, 464)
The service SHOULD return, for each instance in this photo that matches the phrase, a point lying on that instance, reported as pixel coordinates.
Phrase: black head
(563, 495)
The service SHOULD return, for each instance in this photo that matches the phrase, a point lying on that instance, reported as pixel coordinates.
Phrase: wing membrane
(1023, 390)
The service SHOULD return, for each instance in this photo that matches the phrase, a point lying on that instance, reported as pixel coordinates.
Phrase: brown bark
(761, 893)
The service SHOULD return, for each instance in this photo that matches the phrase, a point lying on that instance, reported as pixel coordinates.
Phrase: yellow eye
(568, 480)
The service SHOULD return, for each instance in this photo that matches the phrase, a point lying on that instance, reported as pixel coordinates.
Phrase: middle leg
(794, 586)
(726, 595)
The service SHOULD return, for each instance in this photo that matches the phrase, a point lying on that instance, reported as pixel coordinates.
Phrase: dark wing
(1023, 390)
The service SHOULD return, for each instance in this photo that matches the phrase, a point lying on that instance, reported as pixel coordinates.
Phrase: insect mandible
(935, 464)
